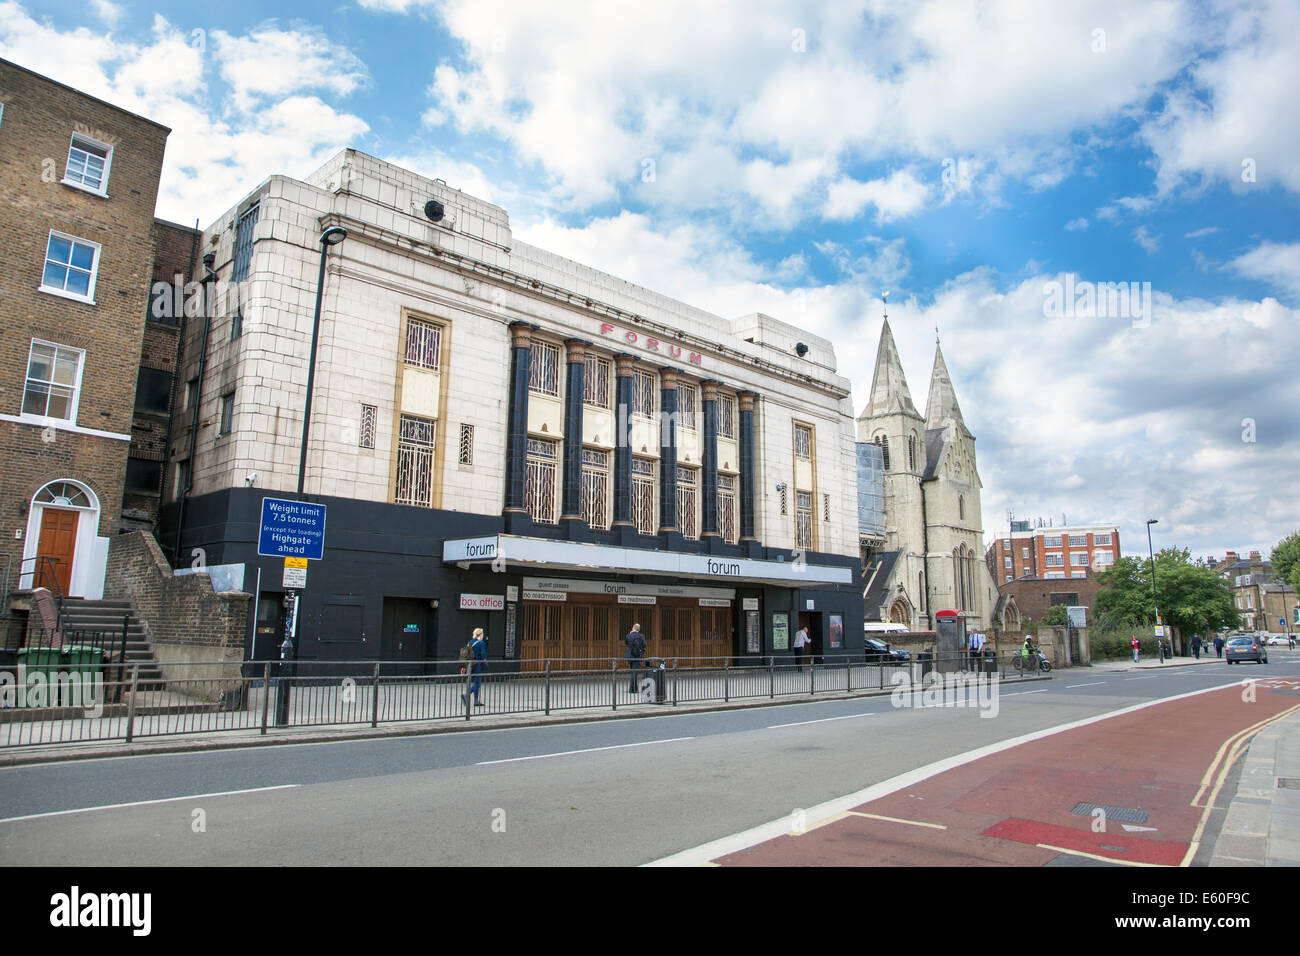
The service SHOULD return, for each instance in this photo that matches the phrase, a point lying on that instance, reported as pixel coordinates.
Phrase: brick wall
(1034, 595)
(186, 620)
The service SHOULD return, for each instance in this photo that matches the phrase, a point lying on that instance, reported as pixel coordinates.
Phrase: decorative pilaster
(709, 462)
(576, 352)
(747, 402)
(623, 443)
(521, 341)
(667, 450)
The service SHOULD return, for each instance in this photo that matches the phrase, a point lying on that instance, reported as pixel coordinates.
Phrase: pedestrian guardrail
(60, 700)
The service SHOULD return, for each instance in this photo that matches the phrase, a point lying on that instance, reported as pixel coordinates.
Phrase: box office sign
(482, 602)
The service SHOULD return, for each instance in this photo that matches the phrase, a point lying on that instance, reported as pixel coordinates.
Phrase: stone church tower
(932, 556)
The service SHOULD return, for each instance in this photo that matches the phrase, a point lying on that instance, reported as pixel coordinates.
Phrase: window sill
(82, 187)
(61, 425)
(63, 294)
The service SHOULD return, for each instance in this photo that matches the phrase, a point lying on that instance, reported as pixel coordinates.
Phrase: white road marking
(707, 852)
(589, 750)
(1093, 684)
(145, 803)
(1022, 693)
(823, 720)
(1152, 677)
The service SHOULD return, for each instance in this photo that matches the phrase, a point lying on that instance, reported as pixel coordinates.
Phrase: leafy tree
(1055, 616)
(1285, 559)
(1192, 597)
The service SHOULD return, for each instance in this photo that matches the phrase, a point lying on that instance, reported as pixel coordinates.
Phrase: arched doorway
(900, 612)
(60, 550)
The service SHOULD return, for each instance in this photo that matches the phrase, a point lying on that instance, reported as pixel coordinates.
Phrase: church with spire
(929, 556)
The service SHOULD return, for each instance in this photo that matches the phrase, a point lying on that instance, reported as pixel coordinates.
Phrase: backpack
(636, 644)
(466, 654)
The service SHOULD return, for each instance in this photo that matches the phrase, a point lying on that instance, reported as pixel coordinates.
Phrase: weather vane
(884, 297)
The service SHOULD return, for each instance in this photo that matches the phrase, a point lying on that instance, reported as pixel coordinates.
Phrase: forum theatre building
(507, 439)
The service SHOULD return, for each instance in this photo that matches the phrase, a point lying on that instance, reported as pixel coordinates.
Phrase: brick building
(1069, 551)
(1266, 601)
(1034, 596)
(78, 181)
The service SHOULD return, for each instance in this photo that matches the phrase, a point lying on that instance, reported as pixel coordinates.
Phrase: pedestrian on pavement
(976, 649)
(1218, 645)
(801, 642)
(478, 660)
(635, 642)
(1136, 645)
(1196, 646)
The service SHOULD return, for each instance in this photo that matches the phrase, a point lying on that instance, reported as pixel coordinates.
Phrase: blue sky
(799, 159)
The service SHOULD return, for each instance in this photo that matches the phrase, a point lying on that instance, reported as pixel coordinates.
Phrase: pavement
(1260, 811)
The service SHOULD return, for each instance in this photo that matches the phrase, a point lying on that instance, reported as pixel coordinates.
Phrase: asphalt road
(610, 792)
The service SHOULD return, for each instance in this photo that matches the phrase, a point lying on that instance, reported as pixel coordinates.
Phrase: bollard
(547, 693)
(771, 676)
(374, 697)
(130, 708)
(726, 680)
(266, 693)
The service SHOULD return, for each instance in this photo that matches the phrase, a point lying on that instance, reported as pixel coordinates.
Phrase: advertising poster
(753, 633)
(780, 631)
(837, 630)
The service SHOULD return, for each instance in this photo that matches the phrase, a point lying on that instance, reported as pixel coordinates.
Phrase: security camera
(251, 479)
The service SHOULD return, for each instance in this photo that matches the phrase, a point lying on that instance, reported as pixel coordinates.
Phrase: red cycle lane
(1152, 773)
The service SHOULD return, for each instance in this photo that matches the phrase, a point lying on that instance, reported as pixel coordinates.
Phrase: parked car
(879, 652)
(1278, 640)
(1248, 647)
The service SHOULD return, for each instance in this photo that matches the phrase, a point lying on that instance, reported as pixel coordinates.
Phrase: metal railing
(75, 699)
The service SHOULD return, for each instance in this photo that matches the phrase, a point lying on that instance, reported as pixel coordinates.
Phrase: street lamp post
(1160, 638)
(330, 237)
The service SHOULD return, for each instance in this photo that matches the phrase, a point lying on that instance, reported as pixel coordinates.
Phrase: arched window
(883, 442)
(961, 507)
(911, 453)
(63, 493)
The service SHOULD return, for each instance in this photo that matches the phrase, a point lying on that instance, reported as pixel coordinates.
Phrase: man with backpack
(635, 641)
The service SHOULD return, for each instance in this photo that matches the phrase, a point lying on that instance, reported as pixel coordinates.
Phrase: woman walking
(478, 659)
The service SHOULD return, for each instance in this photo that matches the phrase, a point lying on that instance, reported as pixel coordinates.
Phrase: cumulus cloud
(899, 195)
(1277, 263)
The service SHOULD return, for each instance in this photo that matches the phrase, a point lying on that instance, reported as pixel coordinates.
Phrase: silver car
(1246, 648)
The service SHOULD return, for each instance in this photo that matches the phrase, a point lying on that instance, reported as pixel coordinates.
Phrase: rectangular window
(1054, 575)
(191, 393)
(803, 535)
(88, 164)
(1078, 574)
(595, 488)
(369, 418)
(1079, 559)
(415, 446)
(1052, 541)
(686, 406)
(802, 442)
(728, 522)
(539, 480)
(596, 373)
(423, 344)
(688, 497)
(544, 368)
(153, 390)
(467, 444)
(1101, 539)
(1054, 560)
(53, 381)
(645, 391)
(643, 495)
(243, 258)
(71, 265)
(236, 322)
(1078, 540)
(182, 478)
(227, 414)
(143, 476)
(826, 507)
(726, 415)
(1024, 553)
(1008, 561)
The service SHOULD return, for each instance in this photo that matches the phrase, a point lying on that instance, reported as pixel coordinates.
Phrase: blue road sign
(291, 529)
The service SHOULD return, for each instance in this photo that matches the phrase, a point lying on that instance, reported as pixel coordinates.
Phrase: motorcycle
(1038, 662)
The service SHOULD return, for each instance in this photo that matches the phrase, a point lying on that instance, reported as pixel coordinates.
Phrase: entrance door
(812, 620)
(58, 543)
(405, 630)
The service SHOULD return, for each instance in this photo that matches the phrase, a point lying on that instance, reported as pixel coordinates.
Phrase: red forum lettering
(652, 344)
(606, 328)
(696, 358)
(631, 337)
(675, 351)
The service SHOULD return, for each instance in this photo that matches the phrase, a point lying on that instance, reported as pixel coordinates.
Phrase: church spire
(942, 406)
(889, 392)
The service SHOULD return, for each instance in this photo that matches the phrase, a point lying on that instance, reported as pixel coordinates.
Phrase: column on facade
(747, 489)
(521, 342)
(623, 442)
(576, 353)
(709, 462)
(667, 450)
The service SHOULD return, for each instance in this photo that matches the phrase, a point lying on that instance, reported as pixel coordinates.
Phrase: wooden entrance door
(58, 543)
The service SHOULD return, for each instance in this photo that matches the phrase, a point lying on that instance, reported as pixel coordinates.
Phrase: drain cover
(1123, 814)
(1116, 849)
(1288, 783)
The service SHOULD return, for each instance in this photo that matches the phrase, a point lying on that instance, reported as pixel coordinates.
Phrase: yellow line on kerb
(1239, 744)
(1094, 856)
(910, 823)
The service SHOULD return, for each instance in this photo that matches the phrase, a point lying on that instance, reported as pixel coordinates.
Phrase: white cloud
(1142, 236)
(1199, 233)
(269, 62)
(109, 13)
(1075, 225)
(900, 195)
(1277, 263)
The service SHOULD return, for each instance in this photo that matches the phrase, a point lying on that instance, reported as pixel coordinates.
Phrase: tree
(1285, 559)
(1055, 616)
(1192, 597)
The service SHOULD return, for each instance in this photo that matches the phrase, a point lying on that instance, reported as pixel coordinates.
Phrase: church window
(883, 442)
(911, 453)
(961, 508)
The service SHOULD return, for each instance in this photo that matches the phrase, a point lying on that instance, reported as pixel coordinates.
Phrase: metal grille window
(423, 344)
(544, 368)
(802, 442)
(227, 414)
(369, 418)
(686, 406)
(595, 488)
(415, 445)
(88, 164)
(803, 520)
(539, 480)
(71, 265)
(726, 416)
(595, 381)
(785, 507)
(728, 527)
(911, 453)
(467, 444)
(644, 389)
(244, 244)
(826, 507)
(643, 495)
(53, 378)
(687, 496)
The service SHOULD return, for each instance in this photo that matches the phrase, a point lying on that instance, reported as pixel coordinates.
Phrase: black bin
(658, 673)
